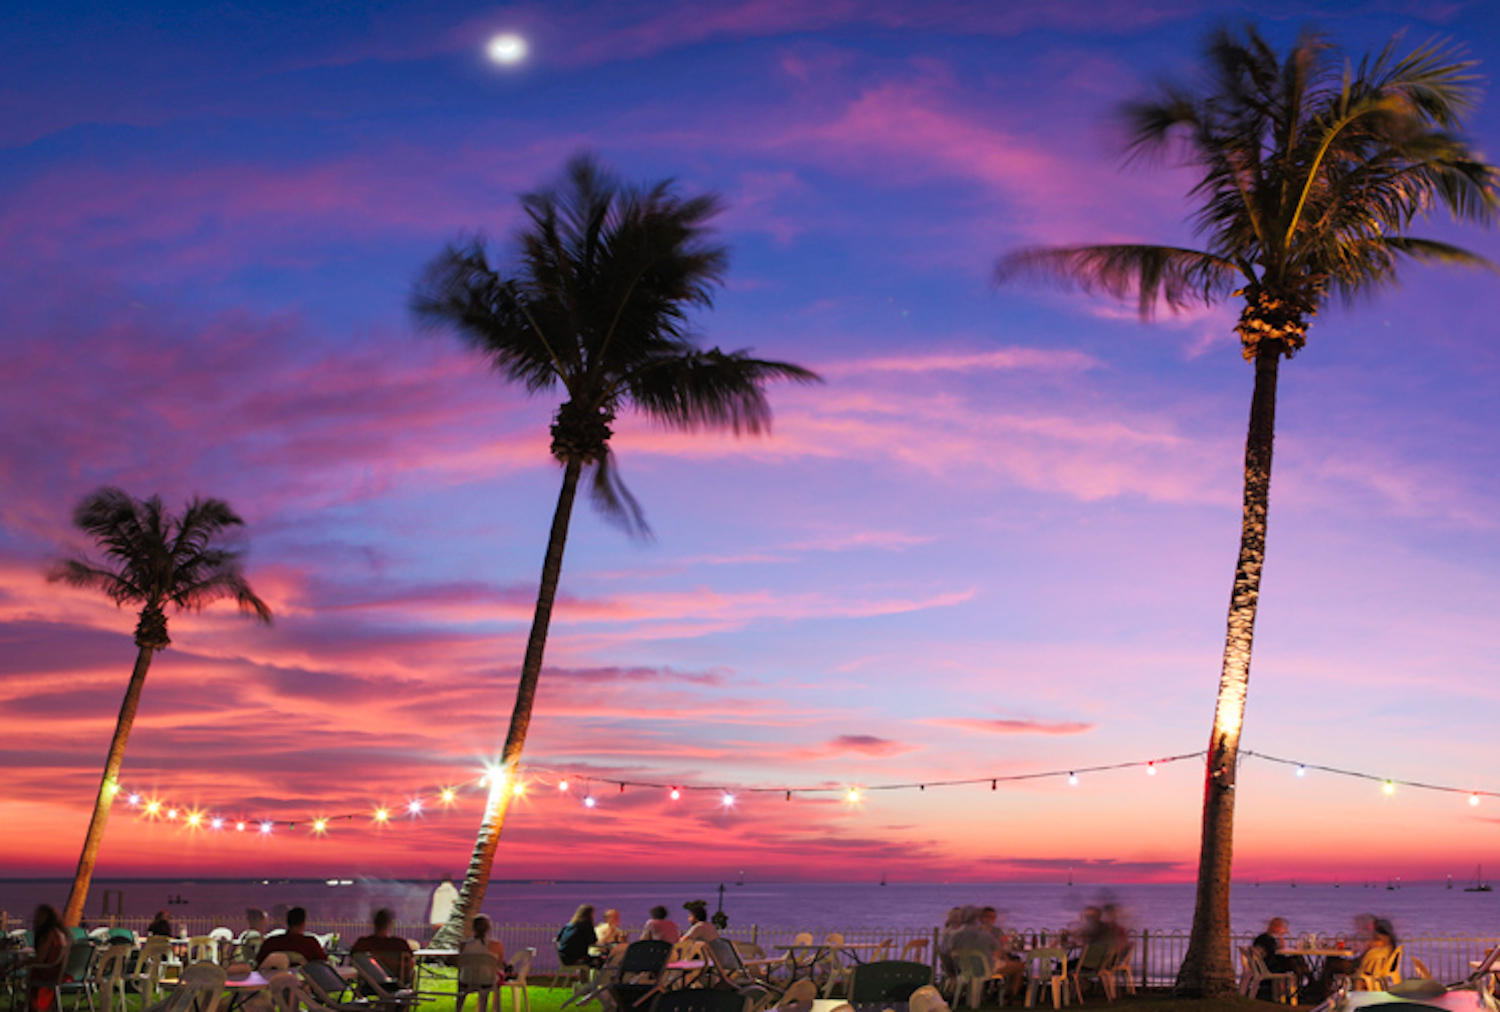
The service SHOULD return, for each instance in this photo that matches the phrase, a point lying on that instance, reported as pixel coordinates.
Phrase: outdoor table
(423, 956)
(818, 950)
(1316, 955)
(241, 989)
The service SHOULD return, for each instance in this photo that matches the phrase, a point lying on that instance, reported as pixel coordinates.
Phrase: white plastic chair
(516, 985)
(974, 972)
(478, 974)
(203, 949)
(1044, 968)
(109, 974)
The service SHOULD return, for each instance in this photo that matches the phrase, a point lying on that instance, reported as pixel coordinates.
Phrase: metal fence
(1155, 958)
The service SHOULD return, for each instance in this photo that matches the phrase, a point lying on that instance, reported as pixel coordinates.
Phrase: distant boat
(882, 878)
(741, 880)
(1480, 885)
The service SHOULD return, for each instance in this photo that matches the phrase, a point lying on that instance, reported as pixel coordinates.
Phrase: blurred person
(1343, 966)
(443, 899)
(1003, 960)
(293, 939)
(608, 934)
(389, 949)
(481, 941)
(576, 938)
(51, 943)
(659, 928)
(700, 928)
(1271, 942)
(951, 924)
(161, 925)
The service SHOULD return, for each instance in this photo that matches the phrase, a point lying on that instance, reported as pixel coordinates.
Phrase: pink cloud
(999, 725)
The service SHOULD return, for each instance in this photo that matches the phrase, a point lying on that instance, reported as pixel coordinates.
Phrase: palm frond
(1151, 274)
(614, 501)
(81, 573)
(709, 389)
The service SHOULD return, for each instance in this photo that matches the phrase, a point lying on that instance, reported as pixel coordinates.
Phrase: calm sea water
(1415, 909)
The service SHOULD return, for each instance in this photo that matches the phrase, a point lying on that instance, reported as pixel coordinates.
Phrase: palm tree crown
(1310, 174)
(158, 559)
(597, 303)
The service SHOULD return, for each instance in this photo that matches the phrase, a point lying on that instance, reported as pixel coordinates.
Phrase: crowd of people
(1373, 944)
(583, 942)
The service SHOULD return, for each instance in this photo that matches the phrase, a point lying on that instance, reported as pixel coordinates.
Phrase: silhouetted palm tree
(596, 304)
(152, 559)
(1309, 174)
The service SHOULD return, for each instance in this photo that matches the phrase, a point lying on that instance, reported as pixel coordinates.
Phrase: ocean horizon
(1416, 908)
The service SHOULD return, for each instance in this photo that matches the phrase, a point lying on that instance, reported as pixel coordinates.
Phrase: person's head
(161, 915)
(45, 920)
(481, 927)
(658, 913)
(255, 917)
(384, 918)
(955, 917)
(988, 915)
(697, 910)
(612, 917)
(584, 915)
(296, 918)
(1384, 931)
(1277, 927)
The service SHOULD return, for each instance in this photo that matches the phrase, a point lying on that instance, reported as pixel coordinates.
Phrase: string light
(194, 817)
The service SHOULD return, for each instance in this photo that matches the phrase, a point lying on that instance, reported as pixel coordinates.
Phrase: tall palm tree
(595, 303)
(1309, 173)
(152, 559)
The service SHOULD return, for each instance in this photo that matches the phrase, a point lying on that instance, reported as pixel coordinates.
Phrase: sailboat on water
(1480, 885)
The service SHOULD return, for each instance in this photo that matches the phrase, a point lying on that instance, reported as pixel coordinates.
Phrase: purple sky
(997, 541)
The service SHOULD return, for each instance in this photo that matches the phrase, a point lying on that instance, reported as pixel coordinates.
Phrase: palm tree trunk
(471, 893)
(1208, 968)
(109, 784)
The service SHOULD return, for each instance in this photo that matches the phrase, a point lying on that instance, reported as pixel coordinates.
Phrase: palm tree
(596, 303)
(153, 559)
(1309, 174)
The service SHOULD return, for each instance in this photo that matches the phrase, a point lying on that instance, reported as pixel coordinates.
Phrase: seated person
(1270, 943)
(293, 940)
(481, 942)
(576, 938)
(390, 950)
(608, 934)
(659, 928)
(700, 928)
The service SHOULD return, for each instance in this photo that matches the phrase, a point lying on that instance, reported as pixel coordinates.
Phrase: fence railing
(1155, 958)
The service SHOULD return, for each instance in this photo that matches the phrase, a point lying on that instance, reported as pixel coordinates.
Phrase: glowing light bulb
(562, 785)
(114, 789)
(266, 827)
(1301, 771)
(1072, 779)
(676, 795)
(853, 795)
(519, 789)
(171, 813)
(449, 795)
(1388, 787)
(414, 806)
(1151, 769)
(589, 802)
(320, 825)
(194, 818)
(152, 807)
(239, 827)
(381, 814)
(1473, 799)
(134, 800)
(728, 800)
(506, 49)
(216, 823)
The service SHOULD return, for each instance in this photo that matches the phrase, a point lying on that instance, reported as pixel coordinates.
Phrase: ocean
(1416, 909)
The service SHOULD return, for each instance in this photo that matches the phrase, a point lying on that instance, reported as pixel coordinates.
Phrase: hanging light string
(1388, 783)
(153, 807)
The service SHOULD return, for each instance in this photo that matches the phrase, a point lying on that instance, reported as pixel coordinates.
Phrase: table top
(814, 947)
(1316, 950)
(251, 980)
(689, 964)
(432, 953)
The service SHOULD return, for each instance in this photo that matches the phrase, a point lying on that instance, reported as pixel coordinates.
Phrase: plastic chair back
(889, 980)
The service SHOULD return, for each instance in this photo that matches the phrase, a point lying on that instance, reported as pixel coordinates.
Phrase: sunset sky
(998, 540)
